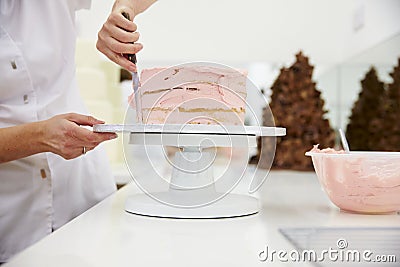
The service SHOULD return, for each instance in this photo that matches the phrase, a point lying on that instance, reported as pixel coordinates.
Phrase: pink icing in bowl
(363, 182)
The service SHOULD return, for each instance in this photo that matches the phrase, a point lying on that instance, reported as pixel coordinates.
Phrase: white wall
(381, 22)
(227, 31)
(254, 30)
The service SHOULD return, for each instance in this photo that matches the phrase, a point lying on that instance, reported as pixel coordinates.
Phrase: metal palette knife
(135, 80)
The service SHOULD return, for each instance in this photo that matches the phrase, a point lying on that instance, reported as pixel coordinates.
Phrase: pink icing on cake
(193, 94)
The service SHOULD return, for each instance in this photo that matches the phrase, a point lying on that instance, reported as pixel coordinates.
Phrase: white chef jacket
(42, 192)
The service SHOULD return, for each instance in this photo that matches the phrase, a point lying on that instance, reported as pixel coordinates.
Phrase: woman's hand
(60, 134)
(118, 35)
(63, 135)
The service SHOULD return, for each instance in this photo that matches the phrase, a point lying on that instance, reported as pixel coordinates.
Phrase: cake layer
(198, 94)
(180, 116)
(187, 93)
(172, 77)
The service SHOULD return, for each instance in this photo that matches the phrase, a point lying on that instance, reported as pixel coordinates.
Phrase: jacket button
(13, 64)
(43, 173)
(26, 101)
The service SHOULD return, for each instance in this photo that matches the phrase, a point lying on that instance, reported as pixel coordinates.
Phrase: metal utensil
(135, 80)
(345, 144)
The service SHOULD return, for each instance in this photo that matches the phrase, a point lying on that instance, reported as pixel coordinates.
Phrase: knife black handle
(130, 57)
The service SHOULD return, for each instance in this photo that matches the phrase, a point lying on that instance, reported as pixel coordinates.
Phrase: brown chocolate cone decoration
(296, 104)
(365, 110)
(386, 127)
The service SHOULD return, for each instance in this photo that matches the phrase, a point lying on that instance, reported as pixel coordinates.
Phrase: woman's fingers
(80, 119)
(118, 36)
(83, 134)
(117, 19)
(83, 141)
(120, 60)
(122, 48)
(65, 137)
(89, 138)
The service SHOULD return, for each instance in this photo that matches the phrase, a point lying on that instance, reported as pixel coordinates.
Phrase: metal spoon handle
(345, 144)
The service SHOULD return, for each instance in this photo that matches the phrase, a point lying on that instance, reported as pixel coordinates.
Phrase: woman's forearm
(61, 135)
(21, 141)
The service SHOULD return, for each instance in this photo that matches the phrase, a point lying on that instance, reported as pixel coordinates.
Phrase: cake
(192, 95)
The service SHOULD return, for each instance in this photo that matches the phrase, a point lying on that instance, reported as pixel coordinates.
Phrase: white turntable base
(231, 205)
(191, 139)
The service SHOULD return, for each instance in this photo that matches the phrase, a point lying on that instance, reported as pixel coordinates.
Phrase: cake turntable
(192, 192)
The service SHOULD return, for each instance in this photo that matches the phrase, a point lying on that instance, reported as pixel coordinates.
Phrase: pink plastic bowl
(363, 182)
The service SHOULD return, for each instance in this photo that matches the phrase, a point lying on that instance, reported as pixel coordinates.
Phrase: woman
(46, 175)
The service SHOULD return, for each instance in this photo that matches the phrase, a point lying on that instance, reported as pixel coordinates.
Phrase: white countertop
(108, 236)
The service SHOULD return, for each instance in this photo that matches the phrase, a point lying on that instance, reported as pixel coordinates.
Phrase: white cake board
(190, 129)
(192, 138)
